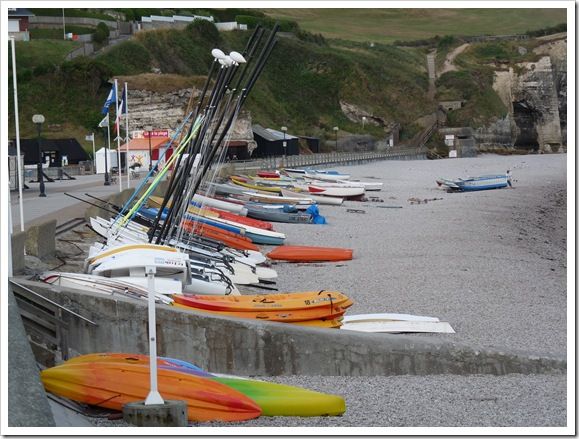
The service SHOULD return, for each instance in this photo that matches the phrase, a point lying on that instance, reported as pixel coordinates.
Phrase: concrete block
(40, 240)
(18, 261)
(171, 414)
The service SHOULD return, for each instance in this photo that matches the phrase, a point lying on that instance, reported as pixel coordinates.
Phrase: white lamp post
(154, 397)
(336, 131)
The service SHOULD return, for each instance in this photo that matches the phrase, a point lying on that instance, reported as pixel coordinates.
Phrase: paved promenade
(57, 205)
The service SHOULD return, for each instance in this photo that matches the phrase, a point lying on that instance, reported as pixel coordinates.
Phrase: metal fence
(326, 159)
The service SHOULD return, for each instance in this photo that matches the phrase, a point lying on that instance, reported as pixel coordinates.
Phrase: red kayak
(241, 219)
(267, 174)
(295, 253)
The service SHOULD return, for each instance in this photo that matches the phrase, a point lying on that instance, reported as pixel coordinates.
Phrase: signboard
(155, 133)
(142, 134)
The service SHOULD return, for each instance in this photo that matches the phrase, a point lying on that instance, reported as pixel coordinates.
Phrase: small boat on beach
(280, 214)
(481, 183)
(350, 193)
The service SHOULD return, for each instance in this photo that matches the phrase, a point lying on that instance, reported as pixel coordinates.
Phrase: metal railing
(326, 159)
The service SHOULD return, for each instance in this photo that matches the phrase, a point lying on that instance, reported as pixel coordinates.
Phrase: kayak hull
(310, 254)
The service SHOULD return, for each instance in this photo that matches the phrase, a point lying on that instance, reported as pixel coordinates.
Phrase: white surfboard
(397, 326)
(388, 317)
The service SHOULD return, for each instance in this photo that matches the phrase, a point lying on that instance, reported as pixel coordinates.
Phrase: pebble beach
(491, 263)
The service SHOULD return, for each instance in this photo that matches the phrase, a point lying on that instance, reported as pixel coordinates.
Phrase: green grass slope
(388, 25)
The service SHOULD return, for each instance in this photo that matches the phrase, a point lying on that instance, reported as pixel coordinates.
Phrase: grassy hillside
(301, 87)
(389, 25)
(305, 80)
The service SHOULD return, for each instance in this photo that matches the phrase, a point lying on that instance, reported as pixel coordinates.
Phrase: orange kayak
(269, 302)
(296, 253)
(322, 312)
(230, 239)
(112, 385)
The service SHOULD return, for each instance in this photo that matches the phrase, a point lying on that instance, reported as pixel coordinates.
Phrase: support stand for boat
(154, 411)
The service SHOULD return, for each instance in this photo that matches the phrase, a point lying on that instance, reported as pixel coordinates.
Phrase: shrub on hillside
(127, 58)
(101, 33)
(561, 27)
(445, 42)
(92, 73)
(44, 69)
(203, 30)
(311, 37)
(230, 14)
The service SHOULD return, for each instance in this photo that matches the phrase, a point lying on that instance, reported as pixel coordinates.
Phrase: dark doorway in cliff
(526, 119)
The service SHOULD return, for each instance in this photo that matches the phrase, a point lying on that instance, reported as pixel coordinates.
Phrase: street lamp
(336, 131)
(38, 119)
(284, 144)
(363, 121)
(149, 128)
(107, 149)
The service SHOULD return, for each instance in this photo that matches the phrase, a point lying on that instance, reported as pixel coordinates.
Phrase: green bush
(446, 42)
(127, 58)
(204, 30)
(102, 32)
(83, 69)
(561, 27)
(44, 69)
(311, 37)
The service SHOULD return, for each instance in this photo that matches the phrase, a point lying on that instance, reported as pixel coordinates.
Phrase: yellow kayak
(240, 181)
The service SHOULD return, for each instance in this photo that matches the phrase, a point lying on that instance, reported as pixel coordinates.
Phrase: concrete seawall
(250, 347)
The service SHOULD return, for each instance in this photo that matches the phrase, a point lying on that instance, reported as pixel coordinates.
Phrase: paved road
(57, 205)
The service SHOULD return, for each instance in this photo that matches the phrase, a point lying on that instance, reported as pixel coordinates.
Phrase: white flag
(105, 122)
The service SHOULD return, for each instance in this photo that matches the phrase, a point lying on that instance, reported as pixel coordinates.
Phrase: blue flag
(110, 99)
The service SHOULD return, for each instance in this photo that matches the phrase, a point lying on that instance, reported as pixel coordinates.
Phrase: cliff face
(166, 111)
(536, 95)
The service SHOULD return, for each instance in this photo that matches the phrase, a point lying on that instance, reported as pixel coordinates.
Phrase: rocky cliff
(166, 111)
(535, 95)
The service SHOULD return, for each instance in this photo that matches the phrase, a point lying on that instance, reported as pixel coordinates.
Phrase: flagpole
(17, 126)
(118, 129)
(126, 100)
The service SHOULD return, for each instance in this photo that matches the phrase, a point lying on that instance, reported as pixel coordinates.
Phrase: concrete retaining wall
(27, 402)
(250, 347)
(40, 240)
(18, 260)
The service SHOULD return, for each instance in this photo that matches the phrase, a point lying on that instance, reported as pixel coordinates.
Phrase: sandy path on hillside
(448, 65)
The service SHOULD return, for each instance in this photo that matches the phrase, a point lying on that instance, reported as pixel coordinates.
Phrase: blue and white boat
(484, 182)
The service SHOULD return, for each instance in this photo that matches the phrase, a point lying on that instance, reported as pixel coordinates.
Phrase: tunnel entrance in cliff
(526, 118)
